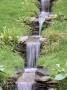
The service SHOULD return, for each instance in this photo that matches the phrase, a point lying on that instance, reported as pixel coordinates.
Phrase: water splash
(42, 18)
(26, 82)
(24, 86)
(30, 70)
(32, 50)
(45, 5)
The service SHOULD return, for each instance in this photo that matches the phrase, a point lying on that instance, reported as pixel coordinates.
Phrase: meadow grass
(10, 61)
(52, 59)
(13, 13)
(56, 52)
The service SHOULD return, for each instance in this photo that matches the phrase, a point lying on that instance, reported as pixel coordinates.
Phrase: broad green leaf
(60, 77)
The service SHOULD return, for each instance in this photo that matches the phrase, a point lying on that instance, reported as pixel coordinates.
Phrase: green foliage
(13, 13)
(12, 16)
(4, 83)
(60, 7)
(3, 77)
(62, 85)
(54, 54)
(55, 60)
(10, 61)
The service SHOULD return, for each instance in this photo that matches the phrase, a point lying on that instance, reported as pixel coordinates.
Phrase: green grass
(52, 58)
(56, 26)
(10, 61)
(13, 13)
(56, 52)
(60, 7)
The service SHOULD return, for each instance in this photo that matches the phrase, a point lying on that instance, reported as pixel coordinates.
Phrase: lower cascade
(25, 86)
(26, 81)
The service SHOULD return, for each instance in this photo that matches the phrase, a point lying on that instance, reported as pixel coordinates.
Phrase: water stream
(24, 86)
(27, 80)
(42, 18)
(45, 5)
(44, 14)
(33, 50)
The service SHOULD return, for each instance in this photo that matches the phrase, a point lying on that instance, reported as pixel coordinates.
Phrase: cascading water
(27, 79)
(33, 50)
(24, 86)
(42, 17)
(44, 14)
(45, 5)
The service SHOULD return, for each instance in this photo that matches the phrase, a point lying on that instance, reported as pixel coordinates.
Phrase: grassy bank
(54, 55)
(13, 13)
(56, 51)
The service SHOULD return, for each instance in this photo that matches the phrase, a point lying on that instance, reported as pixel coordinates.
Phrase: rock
(40, 86)
(42, 78)
(19, 73)
(52, 16)
(38, 77)
(35, 19)
(42, 72)
(23, 39)
(52, 83)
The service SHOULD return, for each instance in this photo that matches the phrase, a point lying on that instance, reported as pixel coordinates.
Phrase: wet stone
(42, 72)
(42, 78)
(34, 79)
(40, 86)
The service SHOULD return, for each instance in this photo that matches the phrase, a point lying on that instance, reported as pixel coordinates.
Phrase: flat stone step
(42, 78)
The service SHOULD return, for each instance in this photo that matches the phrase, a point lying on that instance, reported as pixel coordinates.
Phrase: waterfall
(32, 52)
(42, 18)
(24, 86)
(45, 4)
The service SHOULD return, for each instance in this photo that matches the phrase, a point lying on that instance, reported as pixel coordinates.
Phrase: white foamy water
(45, 5)
(30, 70)
(24, 86)
(42, 18)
